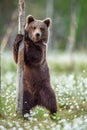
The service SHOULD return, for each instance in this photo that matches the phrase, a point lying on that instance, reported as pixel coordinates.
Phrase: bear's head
(37, 30)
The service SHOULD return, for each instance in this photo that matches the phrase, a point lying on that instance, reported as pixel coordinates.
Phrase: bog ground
(70, 87)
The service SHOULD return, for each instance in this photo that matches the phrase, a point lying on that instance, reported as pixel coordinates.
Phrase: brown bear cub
(37, 88)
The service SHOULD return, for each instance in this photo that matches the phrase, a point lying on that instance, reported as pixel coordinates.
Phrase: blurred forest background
(69, 22)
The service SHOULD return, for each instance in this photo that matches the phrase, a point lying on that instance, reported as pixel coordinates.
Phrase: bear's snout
(37, 35)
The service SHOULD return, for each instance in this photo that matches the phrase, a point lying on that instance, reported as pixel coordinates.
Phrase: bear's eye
(34, 27)
(42, 29)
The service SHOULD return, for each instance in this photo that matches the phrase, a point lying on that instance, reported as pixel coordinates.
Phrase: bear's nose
(37, 35)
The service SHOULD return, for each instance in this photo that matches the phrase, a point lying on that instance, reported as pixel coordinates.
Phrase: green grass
(70, 87)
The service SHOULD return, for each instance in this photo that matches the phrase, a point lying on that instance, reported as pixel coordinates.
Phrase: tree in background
(49, 13)
(60, 12)
(72, 33)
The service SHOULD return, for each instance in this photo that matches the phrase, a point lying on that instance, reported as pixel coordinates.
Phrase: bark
(19, 92)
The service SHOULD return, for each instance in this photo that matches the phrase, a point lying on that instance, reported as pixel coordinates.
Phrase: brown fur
(37, 88)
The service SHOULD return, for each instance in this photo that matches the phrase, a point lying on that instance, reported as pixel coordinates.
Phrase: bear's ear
(47, 22)
(29, 19)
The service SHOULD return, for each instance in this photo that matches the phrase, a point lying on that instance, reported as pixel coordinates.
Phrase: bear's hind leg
(28, 102)
(48, 99)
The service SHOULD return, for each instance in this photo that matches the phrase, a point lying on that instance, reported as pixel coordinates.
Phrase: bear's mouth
(36, 39)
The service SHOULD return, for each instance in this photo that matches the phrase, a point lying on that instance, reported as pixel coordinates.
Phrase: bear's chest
(32, 54)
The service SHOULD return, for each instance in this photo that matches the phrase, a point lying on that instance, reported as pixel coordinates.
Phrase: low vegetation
(70, 87)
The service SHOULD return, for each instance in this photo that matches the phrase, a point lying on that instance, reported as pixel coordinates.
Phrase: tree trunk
(19, 92)
(49, 13)
(9, 30)
(71, 39)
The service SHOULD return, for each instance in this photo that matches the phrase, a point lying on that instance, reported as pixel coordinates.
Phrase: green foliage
(6, 9)
(81, 27)
(61, 18)
(62, 7)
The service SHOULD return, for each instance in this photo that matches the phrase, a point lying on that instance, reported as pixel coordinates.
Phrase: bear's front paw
(19, 38)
